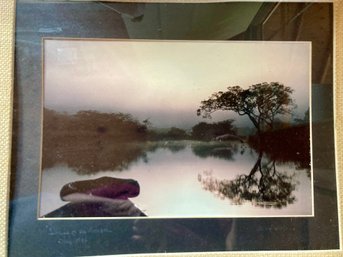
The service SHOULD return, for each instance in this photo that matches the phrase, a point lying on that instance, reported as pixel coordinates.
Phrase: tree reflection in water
(92, 155)
(264, 186)
(220, 150)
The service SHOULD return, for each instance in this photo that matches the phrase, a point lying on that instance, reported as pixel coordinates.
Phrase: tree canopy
(260, 102)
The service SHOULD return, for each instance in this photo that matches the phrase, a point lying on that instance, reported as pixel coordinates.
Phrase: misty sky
(165, 81)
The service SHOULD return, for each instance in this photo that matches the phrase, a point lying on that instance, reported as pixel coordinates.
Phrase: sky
(165, 81)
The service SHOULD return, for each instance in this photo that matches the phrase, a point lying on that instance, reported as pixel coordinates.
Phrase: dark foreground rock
(101, 197)
(114, 208)
(105, 187)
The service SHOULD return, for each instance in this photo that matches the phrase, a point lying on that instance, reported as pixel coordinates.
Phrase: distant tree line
(122, 127)
(202, 131)
(172, 133)
(90, 141)
(117, 126)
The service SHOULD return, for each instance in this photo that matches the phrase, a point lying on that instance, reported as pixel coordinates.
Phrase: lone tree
(261, 103)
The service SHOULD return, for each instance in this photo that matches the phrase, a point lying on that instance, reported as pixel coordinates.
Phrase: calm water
(190, 179)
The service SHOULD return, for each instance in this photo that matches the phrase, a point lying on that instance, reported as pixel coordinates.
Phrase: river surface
(181, 178)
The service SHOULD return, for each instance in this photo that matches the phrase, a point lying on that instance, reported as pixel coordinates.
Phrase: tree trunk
(257, 164)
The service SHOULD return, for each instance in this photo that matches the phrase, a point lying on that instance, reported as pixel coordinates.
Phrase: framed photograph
(171, 128)
(138, 135)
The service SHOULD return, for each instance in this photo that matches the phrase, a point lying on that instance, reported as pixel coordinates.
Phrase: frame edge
(7, 13)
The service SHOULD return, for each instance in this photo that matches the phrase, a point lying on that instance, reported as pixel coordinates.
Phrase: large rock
(105, 187)
(102, 197)
(97, 208)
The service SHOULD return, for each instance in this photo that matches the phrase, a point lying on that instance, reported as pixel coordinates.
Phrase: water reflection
(92, 156)
(172, 146)
(168, 174)
(291, 145)
(264, 186)
(215, 149)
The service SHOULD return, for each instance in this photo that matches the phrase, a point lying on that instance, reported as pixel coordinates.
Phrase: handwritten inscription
(74, 237)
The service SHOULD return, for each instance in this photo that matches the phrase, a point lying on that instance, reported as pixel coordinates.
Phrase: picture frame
(7, 74)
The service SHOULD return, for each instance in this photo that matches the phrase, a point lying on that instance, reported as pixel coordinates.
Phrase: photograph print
(175, 129)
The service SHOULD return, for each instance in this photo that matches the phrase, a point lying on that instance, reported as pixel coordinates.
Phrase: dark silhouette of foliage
(92, 156)
(295, 146)
(208, 131)
(115, 126)
(176, 134)
(264, 186)
(91, 141)
(260, 102)
(218, 150)
(172, 133)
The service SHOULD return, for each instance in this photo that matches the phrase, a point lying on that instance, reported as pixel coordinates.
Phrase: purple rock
(105, 187)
